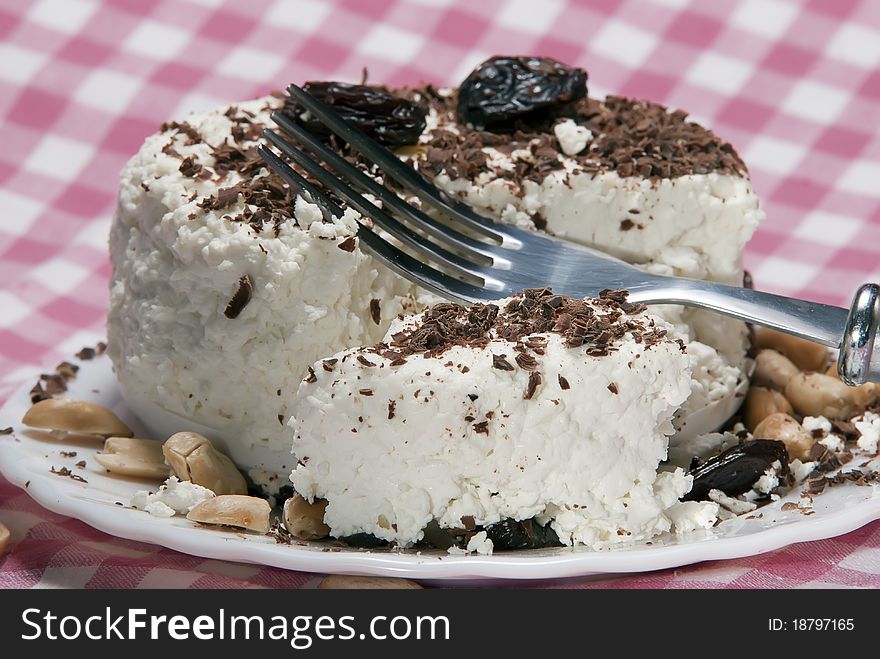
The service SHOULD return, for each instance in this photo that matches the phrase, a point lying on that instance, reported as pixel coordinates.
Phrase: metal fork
(467, 257)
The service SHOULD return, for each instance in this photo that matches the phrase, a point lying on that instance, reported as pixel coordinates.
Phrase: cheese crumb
(572, 138)
(174, 497)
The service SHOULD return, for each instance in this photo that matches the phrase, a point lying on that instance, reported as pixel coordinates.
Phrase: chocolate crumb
(627, 224)
(312, 377)
(563, 383)
(365, 392)
(240, 298)
(363, 360)
(81, 464)
(376, 311)
(612, 387)
(328, 364)
(85, 354)
(348, 244)
(391, 405)
(6, 431)
(482, 427)
(499, 362)
(189, 167)
(534, 381)
(526, 361)
(64, 471)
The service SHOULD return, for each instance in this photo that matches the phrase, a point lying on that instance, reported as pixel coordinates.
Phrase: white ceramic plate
(27, 457)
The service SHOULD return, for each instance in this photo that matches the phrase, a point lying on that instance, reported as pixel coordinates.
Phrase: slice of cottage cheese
(225, 288)
(536, 406)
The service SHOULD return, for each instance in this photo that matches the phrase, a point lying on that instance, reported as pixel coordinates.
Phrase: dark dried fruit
(503, 89)
(389, 119)
(735, 470)
(363, 541)
(527, 534)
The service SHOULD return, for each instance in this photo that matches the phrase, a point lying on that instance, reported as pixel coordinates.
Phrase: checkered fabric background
(794, 85)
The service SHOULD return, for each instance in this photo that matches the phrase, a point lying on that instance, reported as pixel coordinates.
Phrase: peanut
(305, 520)
(806, 355)
(864, 394)
(773, 370)
(130, 456)
(817, 394)
(5, 537)
(73, 416)
(762, 402)
(352, 582)
(233, 510)
(786, 429)
(193, 458)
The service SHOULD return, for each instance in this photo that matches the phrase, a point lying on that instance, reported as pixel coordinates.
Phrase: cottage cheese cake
(225, 288)
(539, 407)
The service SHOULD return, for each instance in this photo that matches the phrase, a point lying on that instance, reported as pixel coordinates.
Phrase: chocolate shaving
(482, 427)
(499, 362)
(563, 383)
(64, 471)
(612, 387)
(526, 361)
(534, 381)
(240, 298)
(376, 311)
(312, 377)
(189, 167)
(391, 405)
(348, 244)
(6, 431)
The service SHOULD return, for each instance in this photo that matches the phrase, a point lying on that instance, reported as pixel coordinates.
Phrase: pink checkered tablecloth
(794, 85)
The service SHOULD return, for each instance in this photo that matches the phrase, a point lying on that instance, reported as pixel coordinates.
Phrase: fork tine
(461, 267)
(393, 167)
(427, 277)
(299, 184)
(452, 239)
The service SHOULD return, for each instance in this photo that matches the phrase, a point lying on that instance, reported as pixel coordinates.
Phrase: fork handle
(853, 331)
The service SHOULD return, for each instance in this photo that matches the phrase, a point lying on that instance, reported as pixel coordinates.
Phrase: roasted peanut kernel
(244, 512)
(786, 429)
(73, 416)
(352, 582)
(762, 402)
(5, 539)
(864, 394)
(193, 458)
(817, 394)
(131, 456)
(305, 520)
(773, 370)
(806, 355)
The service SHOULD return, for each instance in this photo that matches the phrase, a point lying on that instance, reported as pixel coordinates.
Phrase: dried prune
(527, 534)
(392, 120)
(502, 90)
(735, 470)
(363, 541)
